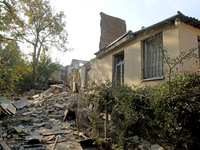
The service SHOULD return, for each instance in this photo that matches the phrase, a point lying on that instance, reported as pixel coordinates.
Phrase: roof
(131, 35)
(124, 38)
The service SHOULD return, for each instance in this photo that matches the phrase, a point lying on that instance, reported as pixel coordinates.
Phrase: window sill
(151, 79)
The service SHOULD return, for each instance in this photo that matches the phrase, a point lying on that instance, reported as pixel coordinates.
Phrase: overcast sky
(83, 19)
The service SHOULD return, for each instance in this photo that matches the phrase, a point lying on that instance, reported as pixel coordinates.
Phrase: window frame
(117, 64)
(152, 69)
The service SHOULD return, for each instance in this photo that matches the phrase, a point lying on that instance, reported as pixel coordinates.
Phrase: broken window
(119, 69)
(153, 57)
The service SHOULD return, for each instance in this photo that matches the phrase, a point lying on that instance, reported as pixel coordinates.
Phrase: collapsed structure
(130, 59)
(41, 122)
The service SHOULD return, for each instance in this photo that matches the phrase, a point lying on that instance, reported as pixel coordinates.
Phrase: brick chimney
(111, 29)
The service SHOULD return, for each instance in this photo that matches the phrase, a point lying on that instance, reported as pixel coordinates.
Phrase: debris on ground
(45, 120)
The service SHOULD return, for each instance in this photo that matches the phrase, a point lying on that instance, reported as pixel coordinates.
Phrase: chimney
(111, 29)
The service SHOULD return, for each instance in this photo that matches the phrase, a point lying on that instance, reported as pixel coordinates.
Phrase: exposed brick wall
(111, 29)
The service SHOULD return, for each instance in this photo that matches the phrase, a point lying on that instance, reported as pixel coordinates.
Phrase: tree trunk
(33, 75)
(34, 68)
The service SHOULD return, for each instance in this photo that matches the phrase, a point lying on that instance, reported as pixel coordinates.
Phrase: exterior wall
(103, 68)
(69, 69)
(111, 29)
(175, 40)
(74, 64)
(188, 38)
(82, 71)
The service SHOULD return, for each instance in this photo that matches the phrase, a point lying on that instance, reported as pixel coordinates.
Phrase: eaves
(132, 35)
(128, 36)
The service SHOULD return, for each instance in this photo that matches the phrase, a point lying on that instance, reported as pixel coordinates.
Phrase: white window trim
(119, 64)
(144, 70)
(152, 79)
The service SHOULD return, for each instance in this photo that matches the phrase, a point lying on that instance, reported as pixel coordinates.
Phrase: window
(153, 57)
(119, 69)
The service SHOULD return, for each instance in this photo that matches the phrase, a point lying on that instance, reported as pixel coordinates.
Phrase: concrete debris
(57, 86)
(4, 145)
(43, 120)
(142, 144)
(21, 103)
(7, 106)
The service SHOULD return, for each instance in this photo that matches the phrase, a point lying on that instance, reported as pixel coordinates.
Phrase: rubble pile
(43, 121)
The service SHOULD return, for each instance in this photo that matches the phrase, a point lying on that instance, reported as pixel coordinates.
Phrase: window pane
(153, 65)
(119, 68)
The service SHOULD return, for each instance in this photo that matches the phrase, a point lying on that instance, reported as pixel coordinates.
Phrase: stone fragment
(50, 131)
(44, 117)
(28, 113)
(56, 116)
(156, 147)
(32, 92)
(60, 106)
(60, 112)
(48, 126)
(26, 119)
(37, 120)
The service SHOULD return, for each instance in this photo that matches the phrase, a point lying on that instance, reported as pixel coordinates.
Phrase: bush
(152, 112)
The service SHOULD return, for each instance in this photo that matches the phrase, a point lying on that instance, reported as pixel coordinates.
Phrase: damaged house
(132, 57)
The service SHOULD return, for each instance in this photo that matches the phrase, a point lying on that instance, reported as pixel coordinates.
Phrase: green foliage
(151, 112)
(13, 69)
(7, 14)
(8, 6)
(40, 27)
(9, 61)
(101, 92)
(46, 68)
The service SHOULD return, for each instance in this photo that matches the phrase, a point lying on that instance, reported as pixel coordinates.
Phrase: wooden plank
(21, 103)
(11, 109)
(55, 142)
(59, 141)
(67, 131)
(82, 134)
(50, 132)
(51, 137)
(4, 145)
(56, 86)
(65, 114)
